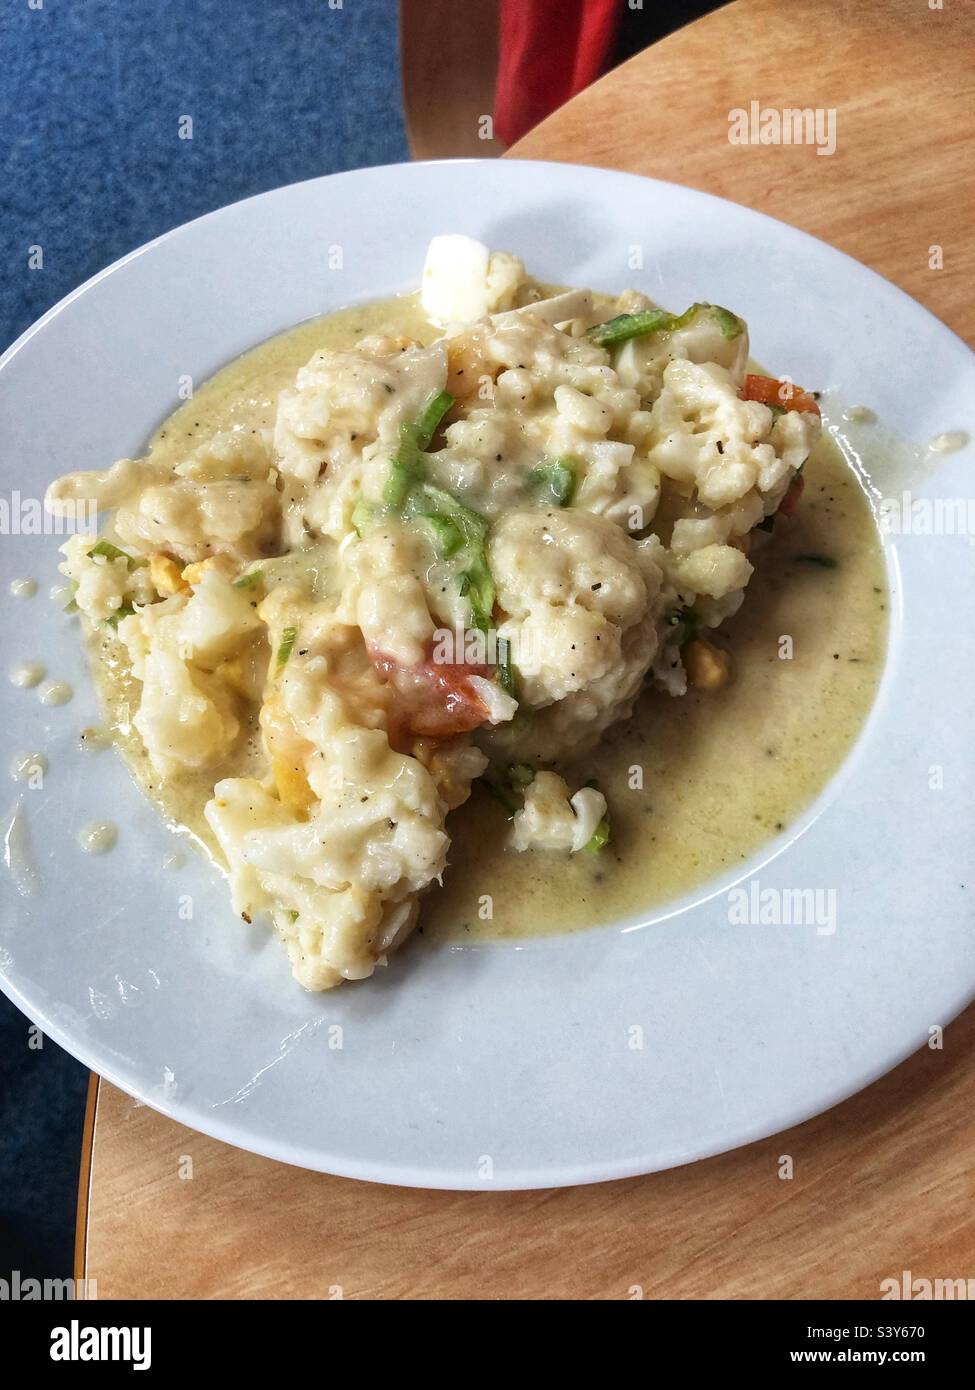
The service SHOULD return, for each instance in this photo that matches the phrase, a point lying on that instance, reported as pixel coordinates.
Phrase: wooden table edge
(84, 1187)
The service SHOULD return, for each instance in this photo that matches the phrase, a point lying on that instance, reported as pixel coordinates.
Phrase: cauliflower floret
(621, 485)
(343, 401)
(570, 584)
(578, 598)
(385, 593)
(186, 717)
(235, 517)
(552, 819)
(341, 885)
(180, 650)
(221, 499)
(695, 532)
(104, 585)
(215, 621)
(714, 570)
(699, 410)
(236, 453)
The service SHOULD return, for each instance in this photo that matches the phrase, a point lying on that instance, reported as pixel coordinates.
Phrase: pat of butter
(455, 288)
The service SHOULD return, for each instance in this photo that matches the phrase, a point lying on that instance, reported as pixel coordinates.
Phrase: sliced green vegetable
(687, 622)
(455, 526)
(730, 324)
(434, 409)
(509, 786)
(405, 469)
(555, 480)
(447, 537)
(626, 326)
(249, 580)
(112, 552)
(406, 465)
(71, 606)
(362, 514)
(599, 837)
(477, 584)
(441, 508)
(288, 638)
(506, 672)
(125, 611)
(428, 500)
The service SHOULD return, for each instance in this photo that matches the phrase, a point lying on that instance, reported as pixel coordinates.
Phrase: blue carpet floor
(91, 165)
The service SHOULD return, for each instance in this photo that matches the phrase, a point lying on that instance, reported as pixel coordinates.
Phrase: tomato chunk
(784, 394)
(435, 699)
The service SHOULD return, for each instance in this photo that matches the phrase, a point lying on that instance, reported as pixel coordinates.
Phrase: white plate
(498, 1065)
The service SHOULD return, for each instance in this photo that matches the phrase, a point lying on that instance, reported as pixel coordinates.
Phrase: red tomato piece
(784, 394)
(435, 699)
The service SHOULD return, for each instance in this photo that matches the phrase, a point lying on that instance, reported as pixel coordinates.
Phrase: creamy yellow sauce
(695, 784)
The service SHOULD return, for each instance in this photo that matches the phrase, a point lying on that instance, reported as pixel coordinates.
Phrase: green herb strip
(555, 479)
(624, 327)
(288, 638)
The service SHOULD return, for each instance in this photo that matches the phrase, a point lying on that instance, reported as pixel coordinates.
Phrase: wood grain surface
(879, 1185)
(900, 77)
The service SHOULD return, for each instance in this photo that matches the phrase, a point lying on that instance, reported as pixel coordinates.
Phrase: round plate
(508, 1064)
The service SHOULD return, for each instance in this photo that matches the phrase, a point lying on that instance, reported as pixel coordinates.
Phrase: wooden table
(884, 1182)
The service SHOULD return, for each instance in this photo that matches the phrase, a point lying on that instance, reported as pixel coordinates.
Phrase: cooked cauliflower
(480, 547)
(577, 599)
(180, 648)
(551, 818)
(103, 586)
(342, 883)
(729, 450)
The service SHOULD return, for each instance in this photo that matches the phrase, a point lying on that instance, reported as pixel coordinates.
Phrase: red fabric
(549, 50)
